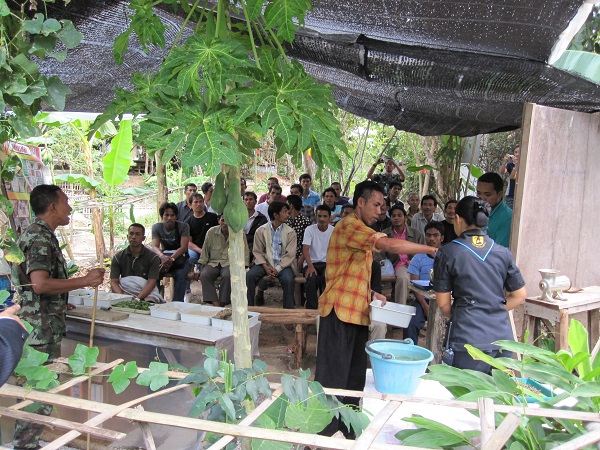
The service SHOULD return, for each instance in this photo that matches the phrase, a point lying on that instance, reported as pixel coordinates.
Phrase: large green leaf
(310, 418)
(80, 179)
(280, 14)
(116, 163)
(585, 64)
(578, 343)
(121, 375)
(83, 358)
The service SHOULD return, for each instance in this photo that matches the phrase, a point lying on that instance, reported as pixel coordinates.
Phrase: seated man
(255, 220)
(274, 196)
(199, 222)
(274, 253)
(399, 230)
(314, 249)
(420, 269)
(185, 206)
(306, 210)
(170, 240)
(214, 263)
(136, 269)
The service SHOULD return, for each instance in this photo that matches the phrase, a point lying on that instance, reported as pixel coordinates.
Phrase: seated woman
(485, 283)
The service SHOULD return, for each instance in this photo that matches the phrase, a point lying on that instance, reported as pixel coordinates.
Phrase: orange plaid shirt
(348, 271)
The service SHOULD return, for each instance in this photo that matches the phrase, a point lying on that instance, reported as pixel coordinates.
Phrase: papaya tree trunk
(161, 180)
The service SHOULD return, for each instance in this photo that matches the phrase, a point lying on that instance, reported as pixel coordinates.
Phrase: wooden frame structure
(492, 438)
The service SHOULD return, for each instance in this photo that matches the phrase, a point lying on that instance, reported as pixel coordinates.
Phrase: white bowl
(392, 313)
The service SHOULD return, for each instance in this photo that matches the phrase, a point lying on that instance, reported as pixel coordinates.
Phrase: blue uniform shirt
(476, 271)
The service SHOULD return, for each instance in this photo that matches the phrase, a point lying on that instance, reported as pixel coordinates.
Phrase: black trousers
(341, 361)
(315, 285)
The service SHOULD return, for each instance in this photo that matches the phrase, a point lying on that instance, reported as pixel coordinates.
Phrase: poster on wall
(30, 176)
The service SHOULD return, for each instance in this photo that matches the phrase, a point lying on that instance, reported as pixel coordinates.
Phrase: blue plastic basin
(397, 365)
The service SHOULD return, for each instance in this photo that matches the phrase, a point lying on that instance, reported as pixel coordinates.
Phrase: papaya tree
(216, 93)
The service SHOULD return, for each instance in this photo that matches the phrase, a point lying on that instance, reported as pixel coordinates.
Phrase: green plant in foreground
(223, 393)
(571, 374)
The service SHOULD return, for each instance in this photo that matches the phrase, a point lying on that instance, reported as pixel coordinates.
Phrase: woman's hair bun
(481, 213)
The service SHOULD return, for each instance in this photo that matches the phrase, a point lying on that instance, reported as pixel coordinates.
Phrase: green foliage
(155, 376)
(121, 375)
(22, 86)
(588, 38)
(211, 100)
(31, 366)
(117, 161)
(77, 178)
(567, 374)
(83, 358)
(223, 394)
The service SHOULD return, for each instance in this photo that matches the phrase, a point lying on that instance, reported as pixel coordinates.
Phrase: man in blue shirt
(419, 269)
(490, 188)
(309, 197)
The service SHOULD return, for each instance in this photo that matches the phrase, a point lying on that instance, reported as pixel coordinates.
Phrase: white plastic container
(106, 299)
(228, 324)
(392, 313)
(76, 297)
(169, 311)
(199, 314)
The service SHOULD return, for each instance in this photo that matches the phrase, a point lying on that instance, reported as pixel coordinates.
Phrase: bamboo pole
(503, 433)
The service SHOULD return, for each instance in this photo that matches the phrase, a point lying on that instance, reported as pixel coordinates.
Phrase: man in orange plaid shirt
(344, 305)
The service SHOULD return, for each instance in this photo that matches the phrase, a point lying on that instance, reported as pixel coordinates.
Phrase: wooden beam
(97, 420)
(503, 433)
(55, 422)
(589, 438)
(367, 438)
(486, 418)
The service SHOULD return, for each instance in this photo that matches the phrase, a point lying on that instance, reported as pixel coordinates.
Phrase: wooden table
(556, 316)
(436, 325)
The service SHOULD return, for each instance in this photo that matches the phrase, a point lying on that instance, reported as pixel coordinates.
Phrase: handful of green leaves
(132, 304)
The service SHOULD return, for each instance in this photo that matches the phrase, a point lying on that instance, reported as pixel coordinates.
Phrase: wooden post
(436, 330)
(161, 180)
(486, 419)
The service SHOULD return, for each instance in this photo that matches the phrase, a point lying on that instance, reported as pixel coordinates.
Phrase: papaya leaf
(80, 179)
(116, 163)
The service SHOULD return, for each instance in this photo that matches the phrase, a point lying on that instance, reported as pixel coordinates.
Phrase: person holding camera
(387, 176)
(482, 278)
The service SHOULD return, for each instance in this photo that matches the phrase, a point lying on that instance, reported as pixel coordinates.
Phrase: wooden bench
(299, 281)
(301, 318)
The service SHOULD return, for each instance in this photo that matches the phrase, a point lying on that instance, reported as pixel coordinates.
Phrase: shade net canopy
(428, 67)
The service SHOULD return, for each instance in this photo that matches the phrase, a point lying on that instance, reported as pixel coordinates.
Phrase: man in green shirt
(490, 188)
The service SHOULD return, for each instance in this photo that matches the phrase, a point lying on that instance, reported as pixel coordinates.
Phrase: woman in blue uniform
(484, 282)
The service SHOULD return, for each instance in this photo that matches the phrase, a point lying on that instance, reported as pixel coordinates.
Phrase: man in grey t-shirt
(170, 239)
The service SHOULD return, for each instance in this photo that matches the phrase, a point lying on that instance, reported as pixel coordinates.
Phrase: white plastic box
(76, 297)
(106, 299)
(170, 311)
(199, 314)
(228, 324)
(392, 313)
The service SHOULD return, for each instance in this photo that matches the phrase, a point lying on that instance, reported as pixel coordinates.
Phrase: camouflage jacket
(46, 313)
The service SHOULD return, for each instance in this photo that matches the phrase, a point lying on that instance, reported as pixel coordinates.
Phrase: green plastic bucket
(397, 365)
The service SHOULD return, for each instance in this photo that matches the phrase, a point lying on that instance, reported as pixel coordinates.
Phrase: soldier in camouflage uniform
(42, 287)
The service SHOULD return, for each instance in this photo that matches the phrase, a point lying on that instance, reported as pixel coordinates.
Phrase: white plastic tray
(199, 314)
(169, 311)
(105, 299)
(76, 297)
(228, 324)
(392, 313)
